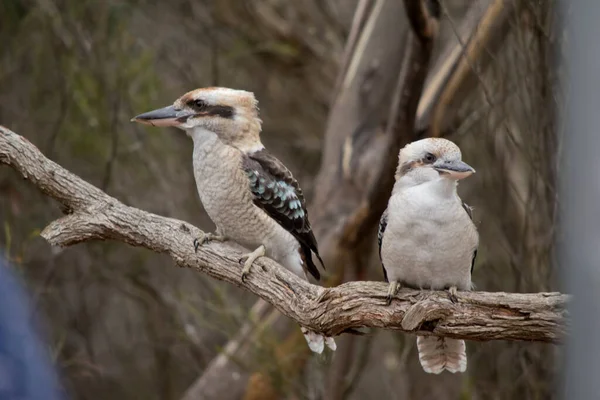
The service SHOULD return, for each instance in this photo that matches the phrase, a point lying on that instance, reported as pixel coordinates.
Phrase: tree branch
(95, 215)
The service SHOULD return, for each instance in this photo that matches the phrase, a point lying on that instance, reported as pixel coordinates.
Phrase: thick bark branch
(95, 215)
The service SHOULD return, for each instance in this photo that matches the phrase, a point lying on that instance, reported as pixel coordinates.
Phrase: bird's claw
(242, 261)
(207, 238)
(392, 290)
(388, 300)
(248, 260)
(452, 294)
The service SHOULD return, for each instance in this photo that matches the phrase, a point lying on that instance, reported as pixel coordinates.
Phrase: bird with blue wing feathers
(252, 198)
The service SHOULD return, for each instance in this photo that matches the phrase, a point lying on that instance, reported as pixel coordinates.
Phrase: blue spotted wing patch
(277, 193)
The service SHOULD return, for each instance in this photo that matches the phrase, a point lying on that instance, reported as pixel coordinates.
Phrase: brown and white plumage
(427, 239)
(249, 194)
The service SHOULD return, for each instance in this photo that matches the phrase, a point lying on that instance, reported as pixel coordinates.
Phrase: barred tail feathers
(437, 354)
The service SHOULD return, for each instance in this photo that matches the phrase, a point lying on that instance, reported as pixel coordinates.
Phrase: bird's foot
(392, 290)
(452, 294)
(207, 238)
(249, 260)
(317, 342)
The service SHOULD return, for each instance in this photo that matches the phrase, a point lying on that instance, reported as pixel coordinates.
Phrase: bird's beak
(454, 170)
(167, 116)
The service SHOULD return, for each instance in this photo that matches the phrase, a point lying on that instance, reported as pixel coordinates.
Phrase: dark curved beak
(455, 169)
(167, 116)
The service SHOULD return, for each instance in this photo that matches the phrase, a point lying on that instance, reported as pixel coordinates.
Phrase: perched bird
(252, 198)
(427, 239)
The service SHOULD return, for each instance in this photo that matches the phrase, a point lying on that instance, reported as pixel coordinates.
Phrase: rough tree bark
(91, 214)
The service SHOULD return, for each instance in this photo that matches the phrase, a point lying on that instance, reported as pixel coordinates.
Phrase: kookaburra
(252, 198)
(427, 239)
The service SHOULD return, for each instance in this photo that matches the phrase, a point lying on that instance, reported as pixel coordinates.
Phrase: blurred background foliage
(122, 323)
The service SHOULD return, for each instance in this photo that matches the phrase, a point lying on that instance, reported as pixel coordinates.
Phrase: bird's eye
(430, 158)
(199, 103)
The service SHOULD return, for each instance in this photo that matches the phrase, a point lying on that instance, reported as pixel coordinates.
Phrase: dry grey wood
(221, 375)
(94, 215)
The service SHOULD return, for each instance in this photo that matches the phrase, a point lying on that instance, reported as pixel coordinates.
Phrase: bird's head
(432, 159)
(230, 114)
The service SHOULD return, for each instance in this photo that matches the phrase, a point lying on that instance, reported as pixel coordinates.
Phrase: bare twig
(450, 56)
(360, 17)
(477, 52)
(94, 215)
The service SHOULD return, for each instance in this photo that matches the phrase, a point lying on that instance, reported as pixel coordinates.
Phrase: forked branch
(94, 215)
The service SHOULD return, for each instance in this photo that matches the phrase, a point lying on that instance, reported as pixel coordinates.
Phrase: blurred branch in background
(459, 67)
(224, 371)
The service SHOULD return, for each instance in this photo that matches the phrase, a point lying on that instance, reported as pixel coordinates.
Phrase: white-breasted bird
(252, 198)
(427, 239)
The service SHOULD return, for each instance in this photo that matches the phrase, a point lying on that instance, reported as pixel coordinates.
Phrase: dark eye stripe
(204, 109)
(221, 111)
